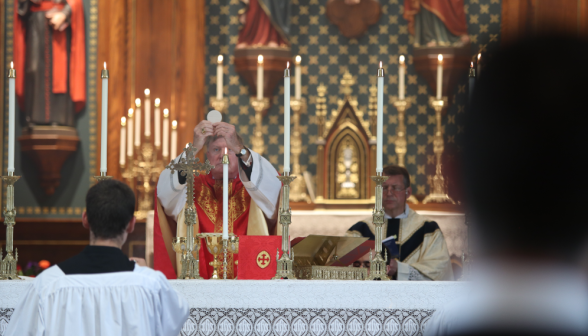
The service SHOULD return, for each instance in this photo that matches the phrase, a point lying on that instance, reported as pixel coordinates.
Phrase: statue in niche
(265, 23)
(437, 22)
(50, 59)
(347, 170)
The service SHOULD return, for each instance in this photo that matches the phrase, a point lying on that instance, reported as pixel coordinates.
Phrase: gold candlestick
(145, 168)
(219, 104)
(8, 265)
(400, 142)
(285, 268)
(378, 263)
(259, 105)
(298, 192)
(437, 183)
(189, 165)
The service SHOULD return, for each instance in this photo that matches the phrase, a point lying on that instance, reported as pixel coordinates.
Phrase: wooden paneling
(531, 17)
(152, 44)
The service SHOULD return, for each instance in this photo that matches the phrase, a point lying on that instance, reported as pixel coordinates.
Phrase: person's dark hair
(213, 138)
(393, 170)
(527, 118)
(110, 206)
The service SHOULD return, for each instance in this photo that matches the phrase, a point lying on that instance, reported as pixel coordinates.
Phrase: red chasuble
(208, 199)
(77, 61)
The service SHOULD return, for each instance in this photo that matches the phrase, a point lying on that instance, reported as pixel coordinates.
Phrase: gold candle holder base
(219, 104)
(378, 263)
(102, 178)
(8, 264)
(437, 183)
(190, 265)
(285, 269)
(259, 105)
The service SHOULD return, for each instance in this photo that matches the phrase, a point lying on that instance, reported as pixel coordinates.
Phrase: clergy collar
(402, 215)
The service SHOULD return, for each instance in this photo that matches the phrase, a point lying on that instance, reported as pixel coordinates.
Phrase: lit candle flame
(298, 59)
(380, 64)
(472, 65)
(287, 65)
(165, 113)
(157, 102)
(147, 92)
(138, 102)
(104, 65)
(401, 59)
(260, 59)
(225, 150)
(11, 65)
(174, 124)
(479, 55)
(131, 111)
(123, 121)
(440, 58)
(220, 58)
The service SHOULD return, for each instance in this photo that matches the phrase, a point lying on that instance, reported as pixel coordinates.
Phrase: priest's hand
(392, 269)
(57, 19)
(139, 261)
(228, 132)
(202, 131)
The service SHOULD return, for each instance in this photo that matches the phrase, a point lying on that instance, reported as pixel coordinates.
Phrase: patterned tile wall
(326, 55)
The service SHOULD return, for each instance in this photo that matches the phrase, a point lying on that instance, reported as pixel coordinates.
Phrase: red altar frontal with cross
(257, 257)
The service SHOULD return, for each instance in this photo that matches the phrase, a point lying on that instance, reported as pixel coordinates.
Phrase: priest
(254, 191)
(423, 253)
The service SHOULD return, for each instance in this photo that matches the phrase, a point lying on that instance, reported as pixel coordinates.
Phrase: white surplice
(263, 187)
(140, 303)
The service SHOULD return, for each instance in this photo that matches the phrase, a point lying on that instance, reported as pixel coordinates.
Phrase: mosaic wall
(326, 55)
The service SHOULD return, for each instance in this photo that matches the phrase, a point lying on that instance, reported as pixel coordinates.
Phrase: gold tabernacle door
(329, 257)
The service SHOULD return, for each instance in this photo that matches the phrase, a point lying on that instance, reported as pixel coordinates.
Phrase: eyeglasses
(364, 264)
(386, 189)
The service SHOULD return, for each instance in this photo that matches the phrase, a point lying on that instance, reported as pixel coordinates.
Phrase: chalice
(214, 244)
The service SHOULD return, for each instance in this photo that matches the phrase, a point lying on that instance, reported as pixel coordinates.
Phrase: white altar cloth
(301, 307)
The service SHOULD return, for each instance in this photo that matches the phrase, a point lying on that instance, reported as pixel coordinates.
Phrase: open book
(392, 246)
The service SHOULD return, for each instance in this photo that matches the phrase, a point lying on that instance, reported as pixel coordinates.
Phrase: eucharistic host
(254, 191)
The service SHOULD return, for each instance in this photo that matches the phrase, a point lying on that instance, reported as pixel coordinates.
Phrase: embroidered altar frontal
(284, 307)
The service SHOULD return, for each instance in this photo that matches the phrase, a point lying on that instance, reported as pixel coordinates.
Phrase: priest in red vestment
(254, 191)
(50, 60)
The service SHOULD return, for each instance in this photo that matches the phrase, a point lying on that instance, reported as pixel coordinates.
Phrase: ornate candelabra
(400, 142)
(259, 105)
(189, 165)
(298, 193)
(285, 268)
(378, 263)
(437, 183)
(219, 104)
(8, 265)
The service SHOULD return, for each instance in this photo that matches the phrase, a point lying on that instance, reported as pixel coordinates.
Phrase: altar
(299, 307)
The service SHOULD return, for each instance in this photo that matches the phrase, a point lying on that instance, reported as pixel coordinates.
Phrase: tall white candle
(157, 124)
(380, 121)
(103, 138)
(260, 77)
(297, 78)
(165, 150)
(439, 76)
(401, 75)
(219, 77)
(130, 132)
(11, 117)
(137, 122)
(123, 138)
(147, 113)
(287, 118)
(174, 139)
(225, 195)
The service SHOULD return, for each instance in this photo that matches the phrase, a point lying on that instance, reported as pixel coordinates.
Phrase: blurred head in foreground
(525, 149)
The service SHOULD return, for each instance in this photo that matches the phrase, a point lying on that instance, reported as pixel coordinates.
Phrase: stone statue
(265, 23)
(436, 22)
(50, 59)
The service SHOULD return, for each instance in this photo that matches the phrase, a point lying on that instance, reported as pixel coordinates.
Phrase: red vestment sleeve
(161, 258)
